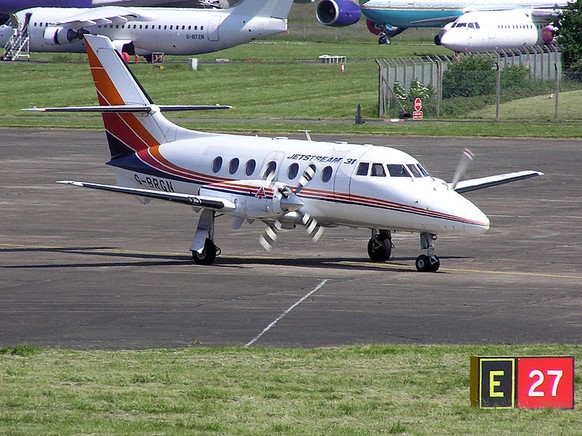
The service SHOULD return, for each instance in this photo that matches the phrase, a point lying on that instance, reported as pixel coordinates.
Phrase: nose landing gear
(427, 262)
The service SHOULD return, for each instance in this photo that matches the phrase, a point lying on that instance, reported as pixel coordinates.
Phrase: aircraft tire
(208, 255)
(423, 264)
(379, 250)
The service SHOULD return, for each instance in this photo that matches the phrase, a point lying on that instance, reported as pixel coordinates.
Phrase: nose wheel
(427, 262)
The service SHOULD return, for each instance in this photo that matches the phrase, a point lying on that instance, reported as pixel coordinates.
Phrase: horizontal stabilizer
(488, 182)
(193, 200)
(129, 108)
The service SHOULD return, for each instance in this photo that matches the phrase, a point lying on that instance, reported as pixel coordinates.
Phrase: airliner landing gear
(380, 245)
(208, 254)
(204, 250)
(430, 262)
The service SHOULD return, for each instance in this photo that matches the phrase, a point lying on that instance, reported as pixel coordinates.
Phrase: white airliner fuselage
(143, 31)
(495, 30)
(281, 182)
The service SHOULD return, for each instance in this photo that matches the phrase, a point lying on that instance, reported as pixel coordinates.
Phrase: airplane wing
(488, 182)
(129, 108)
(102, 16)
(205, 202)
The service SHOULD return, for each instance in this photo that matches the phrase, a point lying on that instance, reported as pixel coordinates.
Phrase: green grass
(541, 107)
(348, 390)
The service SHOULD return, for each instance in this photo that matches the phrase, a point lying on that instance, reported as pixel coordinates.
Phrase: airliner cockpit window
(362, 169)
(397, 170)
(378, 170)
(471, 26)
(414, 170)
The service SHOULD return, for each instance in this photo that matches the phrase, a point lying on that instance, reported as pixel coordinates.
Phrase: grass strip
(394, 389)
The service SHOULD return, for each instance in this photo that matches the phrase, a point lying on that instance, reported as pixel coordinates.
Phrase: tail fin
(264, 8)
(116, 85)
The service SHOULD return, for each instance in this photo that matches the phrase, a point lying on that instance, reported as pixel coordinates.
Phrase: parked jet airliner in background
(392, 17)
(281, 182)
(143, 31)
(495, 30)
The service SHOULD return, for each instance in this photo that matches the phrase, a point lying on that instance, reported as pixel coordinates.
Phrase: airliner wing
(441, 21)
(205, 202)
(103, 16)
(488, 182)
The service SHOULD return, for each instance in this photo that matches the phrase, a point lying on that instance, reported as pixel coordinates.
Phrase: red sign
(545, 382)
(417, 104)
(417, 115)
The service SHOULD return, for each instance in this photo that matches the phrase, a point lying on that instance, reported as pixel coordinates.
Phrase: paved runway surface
(87, 269)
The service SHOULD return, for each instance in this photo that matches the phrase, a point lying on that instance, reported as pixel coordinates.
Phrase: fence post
(557, 92)
(497, 90)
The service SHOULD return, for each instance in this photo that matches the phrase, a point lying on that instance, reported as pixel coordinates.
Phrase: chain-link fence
(523, 84)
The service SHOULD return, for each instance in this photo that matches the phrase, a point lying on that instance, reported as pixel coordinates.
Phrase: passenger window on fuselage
(293, 171)
(217, 164)
(378, 170)
(271, 168)
(363, 168)
(250, 167)
(326, 174)
(397, 170)
(233, 166)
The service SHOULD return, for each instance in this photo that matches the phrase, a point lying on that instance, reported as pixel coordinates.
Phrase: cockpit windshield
(379, 169)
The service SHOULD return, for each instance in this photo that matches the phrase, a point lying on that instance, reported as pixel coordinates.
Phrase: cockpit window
(422, 170)
(378, 170)
(362, 169)
(397, 170)
(414, 170)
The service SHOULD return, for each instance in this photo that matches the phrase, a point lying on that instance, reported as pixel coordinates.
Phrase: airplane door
(213, 26)
(345, 171)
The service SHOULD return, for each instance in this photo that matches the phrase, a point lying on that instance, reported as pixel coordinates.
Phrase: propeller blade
(312, 227)
(268, 238)
(307, 177)
(466, 159)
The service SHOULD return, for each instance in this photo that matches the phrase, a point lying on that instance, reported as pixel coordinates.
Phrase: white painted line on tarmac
(305, 297)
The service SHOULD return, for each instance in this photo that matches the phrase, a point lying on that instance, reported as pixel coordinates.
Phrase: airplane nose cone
(451, 41)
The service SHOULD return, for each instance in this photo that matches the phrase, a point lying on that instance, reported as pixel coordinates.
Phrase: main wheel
(379, 249)
(208, 255)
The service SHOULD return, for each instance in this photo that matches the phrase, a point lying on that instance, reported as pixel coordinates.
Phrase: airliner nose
(451, 41)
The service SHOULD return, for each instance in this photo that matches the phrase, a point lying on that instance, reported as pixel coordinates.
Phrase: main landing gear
(380, 245)
(204, 250)
(427, 262)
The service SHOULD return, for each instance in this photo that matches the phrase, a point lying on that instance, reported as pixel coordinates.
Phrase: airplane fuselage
(435, 13)
(354, 185)
(169, 30)
(483, 31)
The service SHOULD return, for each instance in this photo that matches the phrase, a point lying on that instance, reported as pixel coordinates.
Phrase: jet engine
(548, 34)
(62, 35)
(338, 13)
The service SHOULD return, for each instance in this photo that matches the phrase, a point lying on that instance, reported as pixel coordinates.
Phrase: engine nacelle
(338, 13)
(61, 35)
(548, 34)
(255, 199)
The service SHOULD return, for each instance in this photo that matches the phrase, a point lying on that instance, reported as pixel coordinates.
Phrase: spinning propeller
(290, 202)
(466, 158)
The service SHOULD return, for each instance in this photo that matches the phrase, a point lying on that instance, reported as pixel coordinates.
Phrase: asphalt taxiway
(87, 269)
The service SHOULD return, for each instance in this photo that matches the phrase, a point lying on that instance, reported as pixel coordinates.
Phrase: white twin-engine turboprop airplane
(143, 31)
(281, 182)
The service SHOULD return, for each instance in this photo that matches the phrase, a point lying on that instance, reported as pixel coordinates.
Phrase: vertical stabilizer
(127, 132)
(264, 8)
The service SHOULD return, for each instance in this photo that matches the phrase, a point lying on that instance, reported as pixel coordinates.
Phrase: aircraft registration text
(154, 183)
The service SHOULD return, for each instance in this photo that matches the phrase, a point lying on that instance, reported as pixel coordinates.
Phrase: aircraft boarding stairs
(19, 44)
